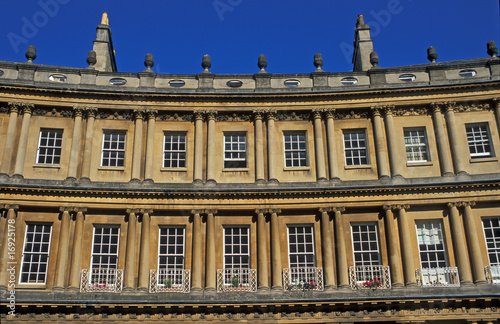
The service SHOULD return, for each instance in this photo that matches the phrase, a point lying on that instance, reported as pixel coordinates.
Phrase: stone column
(89, 138)
(198, 147)
(262, 257)
(4, 248)
(394, 152)
(406, 246)
(137, 155)
(496, 103)
(330, 130)
(393, 244)
(271, 146)
(131, 248)
(148, 174)
(23, 140)
(211, 146)
(442, 141)
(76, 253)
(210, 271)
(327, 248)
(277, 280)
(476, 259)
(456, 144)
(62, 250)
(144, 254)
(9, 139)
(381, 150)
(74, 155)
(318, 141)
(459, 245)
(259, 146)
(343, 275)
(197, 255)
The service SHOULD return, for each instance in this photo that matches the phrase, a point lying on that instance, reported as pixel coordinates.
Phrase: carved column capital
(151, 113)
(436, 106)
(317, 113)
(91, 112)
(146, 211)
(338, 209)
(138, 113)
(198, 115)
(132, 211)
(469, 203)
(78, 111)
(376, 110)
(27, 108)
(258, 114)
(389, 109)
(210, 211)
(271, 114)
(449, 105)
(211, 114)
(402, 207)
(15, 208)
(330, 113)
(326, 209)
(14, 107)
(454, 204)
(496, 102)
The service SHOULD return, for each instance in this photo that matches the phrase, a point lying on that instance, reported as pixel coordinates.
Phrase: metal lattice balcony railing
(438, 277)
(101, 280)
(303, 279)
(236, 280)
(492, 273)
(169, 280)
(370, 277)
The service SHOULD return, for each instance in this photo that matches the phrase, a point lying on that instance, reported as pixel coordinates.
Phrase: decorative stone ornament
(318, 62)
(492, 48)
(206, 63)
(262, 63)
(374, 59)
(91, 59)
(432, 54)
(149, 62)
(31, 53)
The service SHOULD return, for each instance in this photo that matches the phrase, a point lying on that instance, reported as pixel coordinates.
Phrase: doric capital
(91, 112)
(151, 113)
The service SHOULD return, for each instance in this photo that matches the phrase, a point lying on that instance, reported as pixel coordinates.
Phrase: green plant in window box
(235, 281)
(168, 283)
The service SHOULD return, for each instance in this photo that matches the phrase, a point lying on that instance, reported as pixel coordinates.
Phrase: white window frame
(436, 226)
(177, 162)
(416, 147)
(174, 245)
(358, 153)
(118, 152)
(493, 242)
(296, 148)
(31, 254)
(231, 245)
(366, 250)
(305, 243)
(108, 265)
(478, 136)
(233, 151)
(53, 150)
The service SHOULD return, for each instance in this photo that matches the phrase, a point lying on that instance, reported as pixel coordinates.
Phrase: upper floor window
(478, 138)
(236, 247)
(49, 146)
(105, 247)
(35, 260)
(491, 227)
(416, 145)
(301, 246)
(355, 147)
(174, 152)
(431, 244)
(295, 149)
(172, 248)
(113, 149)
(365, 244)
(235, 150)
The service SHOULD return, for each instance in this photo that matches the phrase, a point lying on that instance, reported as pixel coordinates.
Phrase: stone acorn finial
(149, 61)
(262, 63)
(31, 53)
(492, 48)
(374, 59)
(318, 62)
(206, 63)
(91, 59)
(432, 54)
(360, 21)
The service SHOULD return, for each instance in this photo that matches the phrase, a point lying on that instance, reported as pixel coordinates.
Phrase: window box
(370, 277)
(303, 279)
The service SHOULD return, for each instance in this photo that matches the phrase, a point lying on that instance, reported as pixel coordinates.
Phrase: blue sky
(235, 32)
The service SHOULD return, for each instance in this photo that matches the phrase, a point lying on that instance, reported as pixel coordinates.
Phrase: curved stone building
(364, 196)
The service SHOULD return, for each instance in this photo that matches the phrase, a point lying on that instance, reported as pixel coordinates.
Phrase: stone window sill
(235, 170)
(47, 166)
(417, 164)
(483, 159)
(353, 167)
(297, 169)
(111, 168)
(173, 170)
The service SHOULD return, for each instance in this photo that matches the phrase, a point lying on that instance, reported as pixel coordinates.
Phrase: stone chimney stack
(103, 46)
(363, 46)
